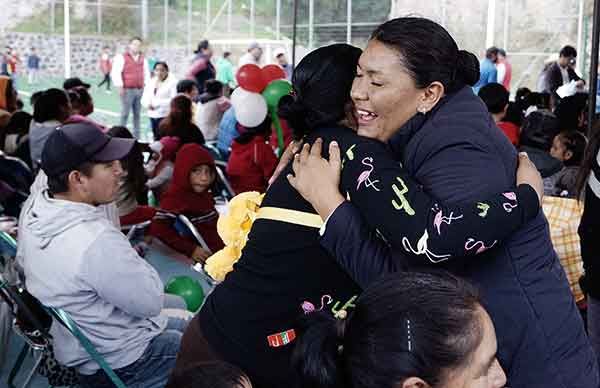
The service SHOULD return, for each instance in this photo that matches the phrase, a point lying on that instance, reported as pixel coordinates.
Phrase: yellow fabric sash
(290, 216)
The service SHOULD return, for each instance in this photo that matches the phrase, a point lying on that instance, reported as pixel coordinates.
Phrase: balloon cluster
(259, 93)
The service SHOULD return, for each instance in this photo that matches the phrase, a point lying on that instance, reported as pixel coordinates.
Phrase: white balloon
(238, 95)
(250, 109)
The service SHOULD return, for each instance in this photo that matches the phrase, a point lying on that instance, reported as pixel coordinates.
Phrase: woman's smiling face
(385, 95)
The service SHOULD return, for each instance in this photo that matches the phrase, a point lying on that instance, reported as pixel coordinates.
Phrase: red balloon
(272, 72)
(250, 78)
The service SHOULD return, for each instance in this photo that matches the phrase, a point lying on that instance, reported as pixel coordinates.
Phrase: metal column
(189, 28)
(278, 20)
(491, 22)
(294, 26)
(166, 23)
(506, 19)
(145, 19)
(311, 23)
(580, 35)
(99, 16)
(252, 18)
(594, 67)
(67, 38)
(349, 21)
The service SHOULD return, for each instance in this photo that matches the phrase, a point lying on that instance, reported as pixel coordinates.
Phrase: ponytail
(318, 356)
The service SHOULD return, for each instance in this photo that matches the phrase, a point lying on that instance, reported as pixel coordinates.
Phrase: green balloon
(189, 289)
(275, 90)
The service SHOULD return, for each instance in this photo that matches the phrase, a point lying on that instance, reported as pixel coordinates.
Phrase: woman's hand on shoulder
(527, 173)
(286, 157)
(318, 179)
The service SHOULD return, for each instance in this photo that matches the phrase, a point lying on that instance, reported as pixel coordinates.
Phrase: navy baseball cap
(74, 82)
(74, 144)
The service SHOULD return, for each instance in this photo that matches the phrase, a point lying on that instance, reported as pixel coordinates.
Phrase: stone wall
(85, 52)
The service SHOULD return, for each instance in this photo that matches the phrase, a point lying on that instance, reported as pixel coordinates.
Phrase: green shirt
(225, 72)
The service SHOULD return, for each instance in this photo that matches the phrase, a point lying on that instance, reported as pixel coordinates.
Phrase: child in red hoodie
(252, 160)
(189, 194)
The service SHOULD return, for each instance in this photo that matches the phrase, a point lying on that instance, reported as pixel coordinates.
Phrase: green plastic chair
(64, 318)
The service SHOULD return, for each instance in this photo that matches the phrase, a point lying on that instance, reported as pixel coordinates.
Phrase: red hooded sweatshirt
(180, 198)
(251, 165)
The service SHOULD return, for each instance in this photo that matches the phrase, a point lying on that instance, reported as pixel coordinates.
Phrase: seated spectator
(189, 88)
(495, 97)
(228, 130)
(82, 105)
(537, 134)
(159, 168)
(252, 160)
(568, 147)
(179, 122)
(76, 260)
(189, 194)
(511, 123)
(158, 94)
(571, 112)
(8, 99)
(14, 138)
(75, 82)
(52, 108)
(210, 374)
(133, 193)
(409, 330)
(211, 109)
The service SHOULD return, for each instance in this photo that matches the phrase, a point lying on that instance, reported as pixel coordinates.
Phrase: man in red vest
(504, 69)
(129, 74)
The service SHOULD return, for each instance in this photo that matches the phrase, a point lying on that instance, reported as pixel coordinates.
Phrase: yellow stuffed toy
(233, 227)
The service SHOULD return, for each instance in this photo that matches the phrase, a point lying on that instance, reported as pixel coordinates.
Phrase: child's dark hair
(575, 142)
(186, 86)
(212, 86)
(208, 374)
(514, 114)
(321, 88)
(263, 130)
(495, 97)
(51, 104)
(589, 159)
(80, 98)
(391, 335)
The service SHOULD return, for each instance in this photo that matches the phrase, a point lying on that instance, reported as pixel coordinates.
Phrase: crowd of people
(400, 240)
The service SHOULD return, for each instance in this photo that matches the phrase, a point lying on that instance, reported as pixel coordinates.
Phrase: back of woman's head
(52, 104)
(180, 115)
(119, 131)
(392, 336)
(589, 159)
(539, 129)
(19, 123)
(574, 142)
(514, 114)
(321, 88)
(209, 374)
(81, 100)
(429, 53)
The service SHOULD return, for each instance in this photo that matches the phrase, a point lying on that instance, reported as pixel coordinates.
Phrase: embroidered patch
(365, 176)
(484, 207)
(281, 339)
(403, 205)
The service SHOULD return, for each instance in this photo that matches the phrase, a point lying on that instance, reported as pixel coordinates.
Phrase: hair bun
(467, 67)
(295, 113)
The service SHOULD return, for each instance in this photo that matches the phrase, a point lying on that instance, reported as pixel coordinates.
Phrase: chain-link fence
(531, 31)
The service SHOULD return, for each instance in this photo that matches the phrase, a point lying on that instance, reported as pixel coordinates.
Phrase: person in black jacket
(406, 89)
(562, 72)
(588, 188)
(249, 319)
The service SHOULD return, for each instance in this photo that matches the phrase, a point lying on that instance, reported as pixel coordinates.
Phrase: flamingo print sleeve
(410, 220)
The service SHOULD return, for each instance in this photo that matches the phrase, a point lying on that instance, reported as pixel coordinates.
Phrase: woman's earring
(422, 110)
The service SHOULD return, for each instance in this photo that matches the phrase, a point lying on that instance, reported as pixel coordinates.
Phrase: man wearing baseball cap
(76, 260)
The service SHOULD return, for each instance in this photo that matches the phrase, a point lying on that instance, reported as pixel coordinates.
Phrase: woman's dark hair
(569, 111)
(81, 100)
(52, 104)
(405, 325)
(321, 88)
(574, 142)
(263, 130)
(208, 374)
(539, 129)
(18, 124)
(429, 53)
(133, 163)
(161, 63)
(180, 115)
(202, 45)
(186, 86)
(589, 159)
(514, 114)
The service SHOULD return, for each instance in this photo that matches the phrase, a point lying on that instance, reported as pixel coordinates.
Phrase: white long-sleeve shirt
(116, 73)
(159, 95)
